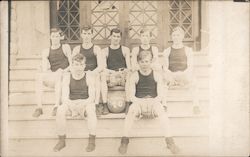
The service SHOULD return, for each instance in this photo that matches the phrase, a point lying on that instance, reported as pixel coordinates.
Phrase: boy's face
(145, 38)
(86, 35)
(177, 37)
(55, 38)
(77, 67)
(115, 38)
(145, 63)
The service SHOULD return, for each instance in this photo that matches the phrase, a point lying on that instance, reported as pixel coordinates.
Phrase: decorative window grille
(181, 15)
(104, 17)
(142, 14)
(68, 19)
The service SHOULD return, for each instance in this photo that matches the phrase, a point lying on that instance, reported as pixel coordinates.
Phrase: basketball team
(82, 76)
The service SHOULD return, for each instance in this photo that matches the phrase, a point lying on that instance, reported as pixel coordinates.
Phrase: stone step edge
(98, 137)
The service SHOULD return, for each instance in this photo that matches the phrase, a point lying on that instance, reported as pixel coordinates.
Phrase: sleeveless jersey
(115, 59)
(57, 59)
(91, 59)
(78, 89)
(177, 60)
(146, 86)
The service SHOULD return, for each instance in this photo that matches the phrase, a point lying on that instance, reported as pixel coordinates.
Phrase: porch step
(17, 86)
(49, 96)
(29, 73)
(77, 128)
(175, 109)
(108, 147)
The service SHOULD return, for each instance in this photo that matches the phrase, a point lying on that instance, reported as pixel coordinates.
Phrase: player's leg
(58, 91)
(104, 91)
(61, 125)
(127, 84)
(42, 79)
(91, 121)
(194, 90)
(133, 112)
(99, 107)
(166, 126)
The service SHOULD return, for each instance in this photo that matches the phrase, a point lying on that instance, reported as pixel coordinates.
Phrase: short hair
(79, 58)
(86, 28)
(55, 30)
(143, 54)
(179, 29)
(115, 30)
(143, 30)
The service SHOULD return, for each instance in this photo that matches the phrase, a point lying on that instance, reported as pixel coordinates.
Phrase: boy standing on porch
(178, 67)
(146, 95)
(94, 63)
(117, 58)
(78, 95)
(145, 37)
(55, 61)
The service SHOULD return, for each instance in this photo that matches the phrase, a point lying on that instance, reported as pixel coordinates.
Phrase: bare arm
(132, 90)
(190, 64)
(158, 79)
(100, 60)
(156, 64)
(166, 53)
(45, 61)
(91, 87)
(76, 50)
(67, 51)
(134, 63)
(126, 54)
(65, 87)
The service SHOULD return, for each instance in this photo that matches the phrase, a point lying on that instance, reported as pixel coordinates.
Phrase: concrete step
(29, 73)
(17, 86)
(108, 147)
(49, 96)
(77, 128)
(175, 109)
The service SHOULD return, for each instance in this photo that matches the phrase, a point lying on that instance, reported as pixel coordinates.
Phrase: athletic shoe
(37, 112)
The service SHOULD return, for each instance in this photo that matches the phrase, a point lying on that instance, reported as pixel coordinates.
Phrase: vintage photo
(127, 78)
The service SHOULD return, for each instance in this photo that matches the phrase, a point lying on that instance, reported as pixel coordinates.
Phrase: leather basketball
(116, 102)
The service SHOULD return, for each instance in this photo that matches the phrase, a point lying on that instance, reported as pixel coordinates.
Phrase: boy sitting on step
(146, 95)
(55, 61)
(117, 64)
(92, 53)
(178, 66)
(78, 94)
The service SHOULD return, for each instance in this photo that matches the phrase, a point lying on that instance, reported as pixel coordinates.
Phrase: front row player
(146, 95)
(78, 97)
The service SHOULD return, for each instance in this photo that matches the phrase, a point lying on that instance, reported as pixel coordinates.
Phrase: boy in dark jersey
(145, 37)
(78, 95)
(146, 95)
(55, 61)
(178, 66)
(117, 57)
(94, 62)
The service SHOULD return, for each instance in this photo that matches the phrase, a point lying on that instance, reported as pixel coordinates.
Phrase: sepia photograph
(125, 78)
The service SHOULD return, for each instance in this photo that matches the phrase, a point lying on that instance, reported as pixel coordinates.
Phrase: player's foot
(91, 144)
(105, 109)
(99, 110)
(171, 145)
(61, 144)
(124, 145)
(37, 112)
(54, 111)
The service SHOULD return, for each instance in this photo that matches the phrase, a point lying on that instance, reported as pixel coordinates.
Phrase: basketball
(116, 101)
